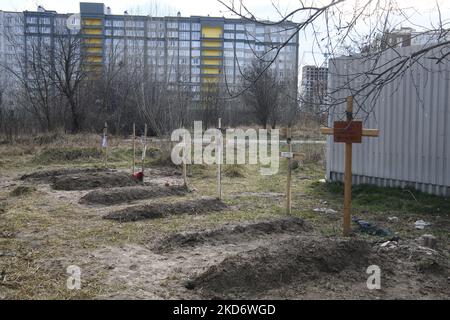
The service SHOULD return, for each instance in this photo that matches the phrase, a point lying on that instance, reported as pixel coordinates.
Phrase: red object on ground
(139, 176)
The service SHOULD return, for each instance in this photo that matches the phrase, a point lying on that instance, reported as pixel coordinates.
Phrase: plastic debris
(371, 229)
(393, 219)
(389, 244)
(420, 224)
(325, 210)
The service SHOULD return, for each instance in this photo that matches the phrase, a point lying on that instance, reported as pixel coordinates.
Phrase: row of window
(38, 20)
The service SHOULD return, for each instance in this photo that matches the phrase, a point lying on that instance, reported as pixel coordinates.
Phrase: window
(228, 54)
(184, 44)
(118, 32)
(172, 43)
(185, 36)
(108, 23)
(195, 35)
(184, 53)
(228, 26)
(185, 26)
(195, 53)
(118, 23)
(228, 45)
(196, 27)
(130, 24)
(31, 20)
(240, 36)
(195, 70)
(108, 32)
(259, 29)
(240, 45)
(228, 35)
(239, 27)
(172, 34)
(195, 44)
(184, 61)
(44, 20)
(195, 61)
(172, 25)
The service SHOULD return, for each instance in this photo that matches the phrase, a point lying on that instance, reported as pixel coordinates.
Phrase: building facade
(314, 86)
(195, 51)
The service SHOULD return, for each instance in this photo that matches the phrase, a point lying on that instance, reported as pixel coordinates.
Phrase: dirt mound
(49, 175)
(93, 180)
(159, 210)
(300, 259)
(231, 233)
(127, 194)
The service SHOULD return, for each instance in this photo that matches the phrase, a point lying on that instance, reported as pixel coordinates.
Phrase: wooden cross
(348, 132)
(290, 156)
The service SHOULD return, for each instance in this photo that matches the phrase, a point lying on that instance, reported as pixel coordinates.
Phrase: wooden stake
(134, 148)
(348, 174)
(144, 151)
(105, 137)
(289, 175)
(219, 159)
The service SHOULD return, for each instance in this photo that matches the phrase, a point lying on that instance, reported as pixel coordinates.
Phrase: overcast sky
(421, 11)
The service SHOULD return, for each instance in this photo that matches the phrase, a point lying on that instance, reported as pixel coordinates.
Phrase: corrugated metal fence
(413, 116)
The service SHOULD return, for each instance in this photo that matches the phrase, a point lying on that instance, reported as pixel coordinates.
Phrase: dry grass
(44, 231)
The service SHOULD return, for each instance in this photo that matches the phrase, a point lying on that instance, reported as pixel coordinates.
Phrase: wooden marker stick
(144, 151)
(348, 174)
(134, 148)
(219, 159)
(289, 175)
(105, 137)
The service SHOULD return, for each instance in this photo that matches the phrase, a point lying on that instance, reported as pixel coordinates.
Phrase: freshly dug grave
(159, 210)
(93, 180)
(231, 234)
(128, 194)
(301, 259)
(50, 175)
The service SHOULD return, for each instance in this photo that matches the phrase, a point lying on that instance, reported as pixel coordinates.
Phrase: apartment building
(314, 86)
(195, 51)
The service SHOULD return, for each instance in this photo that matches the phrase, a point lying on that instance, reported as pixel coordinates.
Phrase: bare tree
(263, 93)
(68, 73)
(359, 29)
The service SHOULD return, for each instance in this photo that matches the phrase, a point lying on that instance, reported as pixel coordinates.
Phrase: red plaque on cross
(348, 132)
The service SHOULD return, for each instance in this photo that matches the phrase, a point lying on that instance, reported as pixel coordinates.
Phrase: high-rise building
(313, 87)
(195, 51)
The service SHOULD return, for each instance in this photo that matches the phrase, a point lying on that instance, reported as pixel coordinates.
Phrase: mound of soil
(300, 259)
(49, 175)
(231, 234)
(93, 180)
(128, 194)
(159, 210)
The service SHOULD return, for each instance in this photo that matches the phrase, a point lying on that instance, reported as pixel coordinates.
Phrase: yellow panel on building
(93, 31)
(212, 53)
(211, 62)
(94, 59)
(211, 71)
(92, 22)
(94, 41)
(211, 32)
